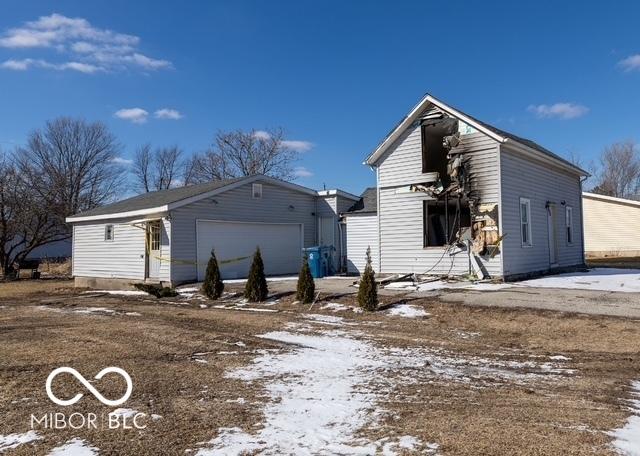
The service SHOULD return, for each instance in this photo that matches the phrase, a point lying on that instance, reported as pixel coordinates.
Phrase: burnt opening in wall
(443, 221)
(434, 154)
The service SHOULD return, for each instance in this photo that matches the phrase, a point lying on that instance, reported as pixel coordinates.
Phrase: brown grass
(566, 416)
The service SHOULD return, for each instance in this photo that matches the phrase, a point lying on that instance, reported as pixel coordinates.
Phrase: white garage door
(235, 242)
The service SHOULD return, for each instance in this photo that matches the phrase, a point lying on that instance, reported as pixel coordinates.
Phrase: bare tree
(619, 171)
(159, 169)
(65, 168)
(240, 153)
(72, 166)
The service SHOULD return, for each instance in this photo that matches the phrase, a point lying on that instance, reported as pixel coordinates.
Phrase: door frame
(148, 244)
(552, 233)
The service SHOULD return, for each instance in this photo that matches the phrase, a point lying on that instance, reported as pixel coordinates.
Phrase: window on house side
(569, 223)
(108, 233)
(256, 190)
(525, 222)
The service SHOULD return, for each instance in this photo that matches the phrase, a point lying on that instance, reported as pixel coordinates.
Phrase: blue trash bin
(315, 260)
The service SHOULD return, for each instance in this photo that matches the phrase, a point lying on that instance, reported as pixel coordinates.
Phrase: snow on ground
(74, 447)
(599, 279)
(627, 438)
(124, 412)
(408, 311)
(335, 307)
(10, 441)
(119, 292)
(315, 410)
(93, 310)
(327, 319)
(246, 309)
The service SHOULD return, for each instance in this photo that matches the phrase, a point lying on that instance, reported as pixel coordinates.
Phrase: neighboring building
(361, 226)
(611, 226)
(456, 195)
(167, 236)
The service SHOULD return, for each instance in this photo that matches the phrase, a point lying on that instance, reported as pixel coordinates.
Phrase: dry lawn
(155, 341)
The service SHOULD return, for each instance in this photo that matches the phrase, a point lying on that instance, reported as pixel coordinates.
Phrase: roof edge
(613, 199)
(338, 192)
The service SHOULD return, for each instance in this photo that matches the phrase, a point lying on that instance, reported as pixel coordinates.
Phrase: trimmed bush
(212, 286)
(368, 290)
(256, 289)
(157, 291)
(306, 285)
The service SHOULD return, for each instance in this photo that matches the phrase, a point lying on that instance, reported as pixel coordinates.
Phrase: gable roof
(367, 204)
(164, 200)
(612, 199)
(520, 144)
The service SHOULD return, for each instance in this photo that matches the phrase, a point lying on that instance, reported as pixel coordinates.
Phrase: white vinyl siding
(541, 183)
(362, 232)
(401, 228)
(277, 205)
(525, 222)
(610, 227)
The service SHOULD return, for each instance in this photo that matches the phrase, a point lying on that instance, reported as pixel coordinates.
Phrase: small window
(108, 233)
(525, 222)
(569, 223)
(256, 190)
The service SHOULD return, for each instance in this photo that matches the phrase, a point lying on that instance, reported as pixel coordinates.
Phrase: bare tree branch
(619, 171)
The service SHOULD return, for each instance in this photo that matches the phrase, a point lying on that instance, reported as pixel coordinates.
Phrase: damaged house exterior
(455, 195)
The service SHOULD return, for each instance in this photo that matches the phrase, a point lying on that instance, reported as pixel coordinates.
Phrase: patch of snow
(246, 309)
(203, 306)
(627, 438)
(227, 353)
(240, 400)
(559, 358)
(240, 344)
(327, 319)
(93, 310)
(335, 307)
(125, 412)
(133, 314)
(10, 441)
(74, 447)
(156, 417)
(119, 292)
(408, 311)
(602, 279)
(200, 360)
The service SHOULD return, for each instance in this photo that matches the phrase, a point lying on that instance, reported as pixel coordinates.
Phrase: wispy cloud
(135, 115)
(168, 114)
(261, 134)
(301, 171)
(298, 146)
(559, 110)
(631, 63)
(88, 49)
(122, 161)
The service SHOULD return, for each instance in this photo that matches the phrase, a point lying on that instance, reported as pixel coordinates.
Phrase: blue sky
(337, 75)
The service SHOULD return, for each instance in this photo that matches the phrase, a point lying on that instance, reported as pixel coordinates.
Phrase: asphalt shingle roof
(158, 198)
(368, 202)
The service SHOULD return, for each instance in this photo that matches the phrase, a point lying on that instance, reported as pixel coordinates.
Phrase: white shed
(610, 226)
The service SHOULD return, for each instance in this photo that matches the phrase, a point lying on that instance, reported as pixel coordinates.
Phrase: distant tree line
(70, 166)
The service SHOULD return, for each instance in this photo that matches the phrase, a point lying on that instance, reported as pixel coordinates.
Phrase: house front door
(553, 234)
(154, 235)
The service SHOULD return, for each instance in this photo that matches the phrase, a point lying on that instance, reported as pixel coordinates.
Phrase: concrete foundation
(102, 283)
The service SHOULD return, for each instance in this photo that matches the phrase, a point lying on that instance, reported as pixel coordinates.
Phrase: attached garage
(235, 242)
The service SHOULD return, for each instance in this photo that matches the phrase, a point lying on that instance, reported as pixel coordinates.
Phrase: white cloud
(122, 161)
(559, 110)
(298, 146)
(261, 134)
(301, 171)
(630, 63)
(25, 64)
(135, 115)
(91, 49)
(167, 113)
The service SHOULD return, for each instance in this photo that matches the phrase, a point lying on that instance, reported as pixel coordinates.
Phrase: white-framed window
(256, 190)
(568, 212)
(108, 232)
(525, 222)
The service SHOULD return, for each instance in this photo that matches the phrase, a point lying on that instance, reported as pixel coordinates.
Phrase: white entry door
(235, 243)
(553, 234)
(154, 236)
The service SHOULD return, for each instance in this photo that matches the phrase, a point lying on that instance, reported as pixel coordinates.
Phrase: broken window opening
(434, 152)
(443, 221)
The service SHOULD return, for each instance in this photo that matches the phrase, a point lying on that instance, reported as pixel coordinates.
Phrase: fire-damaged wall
(438, 199)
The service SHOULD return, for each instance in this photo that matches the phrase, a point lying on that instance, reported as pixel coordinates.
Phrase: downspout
(581, 181)
(378, 218)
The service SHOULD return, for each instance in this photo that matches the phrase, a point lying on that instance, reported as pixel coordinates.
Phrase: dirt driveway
(420, 377)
